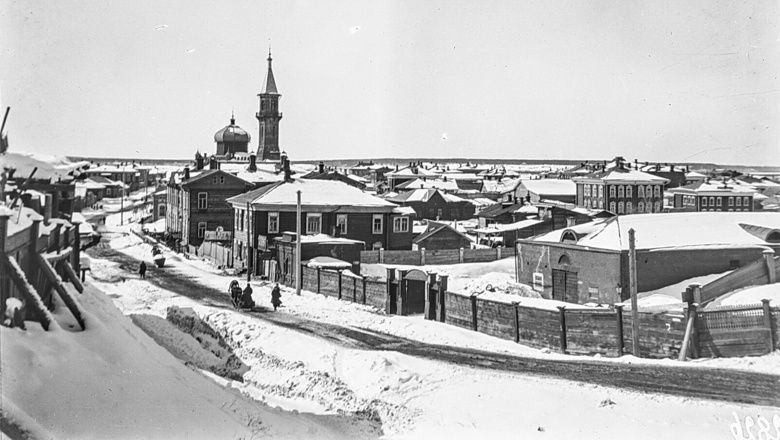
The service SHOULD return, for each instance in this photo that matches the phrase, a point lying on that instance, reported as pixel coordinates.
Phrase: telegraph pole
(633, 291)
(298, 246)
(250, 261)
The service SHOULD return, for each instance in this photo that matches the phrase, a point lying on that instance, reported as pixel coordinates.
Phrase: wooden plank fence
(722, 332)
(759, 272)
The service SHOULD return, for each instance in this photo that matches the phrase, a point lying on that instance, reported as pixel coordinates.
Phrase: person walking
(276, 295)
(142, 270)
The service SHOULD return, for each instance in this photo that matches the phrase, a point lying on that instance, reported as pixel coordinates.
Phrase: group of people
(242, 299)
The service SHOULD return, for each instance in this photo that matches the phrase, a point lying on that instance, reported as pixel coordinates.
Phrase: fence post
(517, 322)
(690, 327)
(364, 291)
(33, 249)
(340, 276)
(354, 289)
(498, 253)
(696, 292)
(441, 310)
(460, 255)
(381, 256)
(75, 256)
(562, 319)
(318, 280)
(619, 316)
(5, 287)
(769, 258)
(768, 324)
(473, 298)
(422, 256)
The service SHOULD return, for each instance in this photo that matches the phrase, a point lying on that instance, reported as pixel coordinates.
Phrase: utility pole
(298, 245)
(122, 199)
(249, 253)
(632, 290)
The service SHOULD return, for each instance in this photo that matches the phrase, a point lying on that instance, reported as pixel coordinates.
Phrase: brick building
(621, 190)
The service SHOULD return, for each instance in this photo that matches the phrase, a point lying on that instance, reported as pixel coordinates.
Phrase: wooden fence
(425, 257)
(723, 332)
(217, 253)
(341, 286)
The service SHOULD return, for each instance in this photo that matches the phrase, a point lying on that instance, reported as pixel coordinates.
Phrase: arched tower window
(564, 260)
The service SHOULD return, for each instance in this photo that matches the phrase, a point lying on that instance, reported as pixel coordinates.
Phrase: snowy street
(320, 355)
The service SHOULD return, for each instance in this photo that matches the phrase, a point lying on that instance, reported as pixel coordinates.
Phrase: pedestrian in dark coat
(142, 270)
(276, 295)
(246, 298)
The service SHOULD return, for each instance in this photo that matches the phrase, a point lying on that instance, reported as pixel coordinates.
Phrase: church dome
(232, 133)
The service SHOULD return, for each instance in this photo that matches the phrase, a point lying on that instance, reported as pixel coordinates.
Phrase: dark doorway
(564, 286)
(413, 293)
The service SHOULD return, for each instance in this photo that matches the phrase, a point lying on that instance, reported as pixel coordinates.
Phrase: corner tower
(269, 117)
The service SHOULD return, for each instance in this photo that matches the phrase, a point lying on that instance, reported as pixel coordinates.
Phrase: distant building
(712, 196)
(435, 205)
(621, 190)
(232, 139)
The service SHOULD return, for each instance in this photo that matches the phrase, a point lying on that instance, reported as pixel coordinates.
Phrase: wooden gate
(564, 286)
(413, 288)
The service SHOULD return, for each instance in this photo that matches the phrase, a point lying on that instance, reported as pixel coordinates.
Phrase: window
(401, 224)
(658, 190)
(629, 208)
(620, 207)
(273, 222)
(649, 191)
(203, 200)
(601, 204)
(657, 207)
(587, 190)
(313, 223)
(739, 201)
(601, 192)
(712, 201)
(731, 201)
(214, 180)
(746, 201)
(640, 191)
(201, 229)
(439, 213)
(376, 224)
(621, 192)
(612, 190)
(703, 201)
(629, 192)
(718, 200)
(538, 283)
(611, 206)
(341, 224)
(640, 207)
(649, 206)
(221, 179)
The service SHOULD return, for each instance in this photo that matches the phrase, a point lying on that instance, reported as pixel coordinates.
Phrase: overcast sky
(659, 80)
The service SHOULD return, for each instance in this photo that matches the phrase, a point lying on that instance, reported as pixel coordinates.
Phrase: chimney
(252, 162)
(198, 161)
(287, 168)
(687, 168)
(186, 173)
(396, 167)
(321, 167)
(213, 164)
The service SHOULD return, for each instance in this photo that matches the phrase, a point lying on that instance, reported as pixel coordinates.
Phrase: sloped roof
(314, 193)
(498, 209)
(712, 186)
(672, 230)
(433, 231)
(449, 185)
(207, 173)
(623, 174)
(516, 226)
(558, 187)
(269, 85)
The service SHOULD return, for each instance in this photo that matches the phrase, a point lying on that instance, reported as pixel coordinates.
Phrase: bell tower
(269, 117)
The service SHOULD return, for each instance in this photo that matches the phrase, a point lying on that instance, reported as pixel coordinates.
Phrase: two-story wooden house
(328, 207)
(435, 205)
(712, 196)
(204, 204)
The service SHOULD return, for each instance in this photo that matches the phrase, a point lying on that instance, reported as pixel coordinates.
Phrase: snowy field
(114, 381)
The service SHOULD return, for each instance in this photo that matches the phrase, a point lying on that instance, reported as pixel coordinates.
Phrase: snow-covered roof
(672, 230)
(325, 238)
(499, 228)
(404, 210)
(494, 186)
(713, 187)
(559, 187)
(314, 193)
(328, 263)
(448, 185)
(622, 175)
(48, 166)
